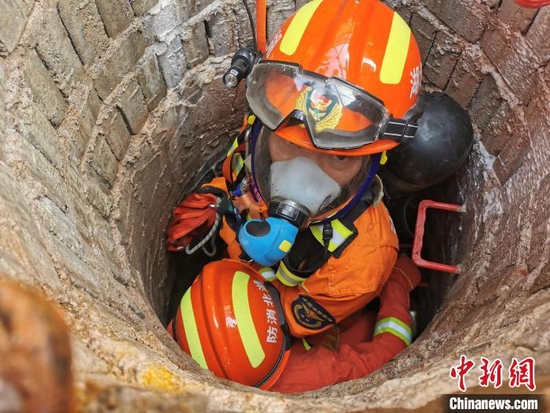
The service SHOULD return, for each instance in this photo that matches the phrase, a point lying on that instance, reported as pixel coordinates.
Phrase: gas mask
(299, 186)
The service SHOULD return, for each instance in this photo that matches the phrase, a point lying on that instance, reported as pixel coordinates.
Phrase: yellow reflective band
(394, 326)
(191, 330)
(340, 233)
(267, 273)
(234, 146)
(396, 53)
(384, 158)
(245, 322)
(287, 277)
(297, 27)
(285, 246)
(237, 164)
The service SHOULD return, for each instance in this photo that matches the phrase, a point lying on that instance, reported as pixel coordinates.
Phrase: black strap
(400, 129)
(307, 255)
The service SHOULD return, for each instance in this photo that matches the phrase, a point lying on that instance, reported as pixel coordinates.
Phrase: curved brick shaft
(35, 353)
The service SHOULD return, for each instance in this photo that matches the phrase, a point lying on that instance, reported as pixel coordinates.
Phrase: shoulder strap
(233, 167)
(313, 248)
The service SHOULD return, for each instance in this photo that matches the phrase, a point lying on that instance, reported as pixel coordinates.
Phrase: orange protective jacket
(358, 353)
(342, 285)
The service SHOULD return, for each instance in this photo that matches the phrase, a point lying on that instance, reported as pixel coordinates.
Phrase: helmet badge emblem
(325, 110)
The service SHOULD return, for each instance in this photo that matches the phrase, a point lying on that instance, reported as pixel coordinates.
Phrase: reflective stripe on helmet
(287, 277)
(245, 322)
(297, 27)
(340, 233)
(191, 331)
(394, 326)
(397, 50)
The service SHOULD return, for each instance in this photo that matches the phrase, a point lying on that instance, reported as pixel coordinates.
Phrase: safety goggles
(335, 113)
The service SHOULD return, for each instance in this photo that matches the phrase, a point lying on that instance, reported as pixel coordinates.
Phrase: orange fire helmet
(338, 77)
(231, 322)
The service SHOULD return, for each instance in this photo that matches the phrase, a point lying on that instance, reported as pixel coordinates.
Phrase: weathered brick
(222, 31)
(466, 17)
(133, 106)
(116, 133)
(441, 61)
(87, 114)
(12, 24)
(537, 123)
(59, 224)
(464, 80)
(142, 6)
(85, 28)
(511, 57)
(424, 33)
(116, 15)
(173, 62)
(485, 103)
(119, 64)
(196, 6)
(25, 5)
(151, 81)
(496, 134)
(74, 136)
(513, 137)
(56, 51)
(34, 127)
(165, 18)
(19, 231)
(44, 90)
(244, 30)
(33, 170)
(517, 17)
(514, 152)
(538, 36)
(101, 200)
(540, 226)
(195, 44)
(2, 104)
(103, 161)
(433, 5)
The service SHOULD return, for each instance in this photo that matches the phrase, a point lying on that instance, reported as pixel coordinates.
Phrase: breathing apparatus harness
(273, 234)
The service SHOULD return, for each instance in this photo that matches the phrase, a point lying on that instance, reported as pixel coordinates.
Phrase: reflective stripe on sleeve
(287, 277)
(396, 327)
(268, 273)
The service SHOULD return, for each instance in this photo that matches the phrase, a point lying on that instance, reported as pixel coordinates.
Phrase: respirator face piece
(299, 185)
(321, 183)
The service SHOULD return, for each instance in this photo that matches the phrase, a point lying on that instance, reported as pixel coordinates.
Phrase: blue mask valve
(267, 241)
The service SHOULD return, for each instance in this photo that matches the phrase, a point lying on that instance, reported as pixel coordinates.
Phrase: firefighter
(328, 99)
(300, 199)
(231, 322)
